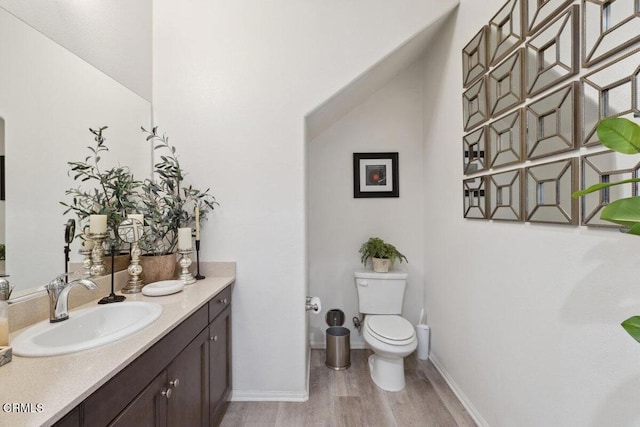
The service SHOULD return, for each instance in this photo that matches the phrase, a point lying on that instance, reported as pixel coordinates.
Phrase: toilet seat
(390, 329)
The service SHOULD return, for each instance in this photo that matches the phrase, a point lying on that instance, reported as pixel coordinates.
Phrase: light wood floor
(350, 398)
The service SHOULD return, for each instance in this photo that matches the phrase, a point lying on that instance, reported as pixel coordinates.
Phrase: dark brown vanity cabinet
(179, 396)
(219, 361)
(183, 380)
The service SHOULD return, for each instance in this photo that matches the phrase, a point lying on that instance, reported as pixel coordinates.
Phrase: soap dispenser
(5, 293)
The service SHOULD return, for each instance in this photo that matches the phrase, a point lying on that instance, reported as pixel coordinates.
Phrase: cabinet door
(149, 409)
(188, 377)
(220, 367)
(72, 419)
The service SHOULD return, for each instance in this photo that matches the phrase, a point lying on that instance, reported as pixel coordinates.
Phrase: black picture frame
(375, 175)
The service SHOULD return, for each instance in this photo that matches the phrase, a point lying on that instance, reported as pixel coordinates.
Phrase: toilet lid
(391, 327)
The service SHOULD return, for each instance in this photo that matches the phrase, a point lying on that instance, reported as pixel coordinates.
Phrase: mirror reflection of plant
(623, 136)
(114, 191)
(166, 202)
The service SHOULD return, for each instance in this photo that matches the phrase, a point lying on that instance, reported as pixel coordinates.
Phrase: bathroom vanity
(177, 371)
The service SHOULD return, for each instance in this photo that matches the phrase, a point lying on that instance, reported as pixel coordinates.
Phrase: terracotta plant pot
(157, 268)
(381, 265)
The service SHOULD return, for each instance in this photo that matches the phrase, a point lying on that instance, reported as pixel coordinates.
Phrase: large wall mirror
(48, 100)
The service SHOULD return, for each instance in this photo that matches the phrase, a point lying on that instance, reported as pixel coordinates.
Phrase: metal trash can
(338, 341)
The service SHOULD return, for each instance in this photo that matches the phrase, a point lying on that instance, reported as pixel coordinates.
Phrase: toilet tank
(380, 293)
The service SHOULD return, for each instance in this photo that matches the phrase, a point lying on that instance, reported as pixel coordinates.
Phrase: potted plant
(112, 192)
(382, 254)
(621, 135)
(168, 204)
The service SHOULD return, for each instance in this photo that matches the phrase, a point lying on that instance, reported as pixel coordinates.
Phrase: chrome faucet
(58, 290)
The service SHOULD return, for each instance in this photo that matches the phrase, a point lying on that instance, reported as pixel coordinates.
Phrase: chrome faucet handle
(58, 283)
(58, 290)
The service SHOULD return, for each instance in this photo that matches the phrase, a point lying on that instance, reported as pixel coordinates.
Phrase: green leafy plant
(112, 192)
(166, 202)
(377, 248)
(621, 135)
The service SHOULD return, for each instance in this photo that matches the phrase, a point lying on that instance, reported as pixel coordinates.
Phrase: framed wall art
(474, 198)
(608, 27)
(375, 175)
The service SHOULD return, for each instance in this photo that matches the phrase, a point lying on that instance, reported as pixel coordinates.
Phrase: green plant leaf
(620, 134)
(635, 230)
(622, 211)
(632, 326)
(602, 185)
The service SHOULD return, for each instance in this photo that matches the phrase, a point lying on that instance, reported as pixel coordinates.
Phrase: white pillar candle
(137, 217)
(197, 223)
(184, 239)
(97, 224)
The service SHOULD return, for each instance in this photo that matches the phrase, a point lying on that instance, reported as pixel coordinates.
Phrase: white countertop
(55, 385)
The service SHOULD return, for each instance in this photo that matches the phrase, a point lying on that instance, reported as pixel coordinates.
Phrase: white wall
(112, 35)
(525, 318)
(232, 84)
(389, 120)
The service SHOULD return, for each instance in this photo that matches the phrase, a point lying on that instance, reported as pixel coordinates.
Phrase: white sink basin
(87, 328)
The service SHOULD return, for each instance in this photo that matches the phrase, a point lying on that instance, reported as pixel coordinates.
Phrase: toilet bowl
(392, 338)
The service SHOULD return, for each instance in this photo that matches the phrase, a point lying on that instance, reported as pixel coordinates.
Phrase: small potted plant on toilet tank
(382, 254)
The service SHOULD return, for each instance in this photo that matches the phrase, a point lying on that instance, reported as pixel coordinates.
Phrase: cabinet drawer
(219, 302)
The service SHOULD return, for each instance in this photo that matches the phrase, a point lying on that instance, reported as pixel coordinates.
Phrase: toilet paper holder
(312, 304)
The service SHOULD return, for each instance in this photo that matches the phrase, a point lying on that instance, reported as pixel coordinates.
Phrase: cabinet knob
(214, 338)
(224, 301)
(166, 393)
(175, 383)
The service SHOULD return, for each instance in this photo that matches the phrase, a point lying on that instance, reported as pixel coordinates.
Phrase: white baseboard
(471, 409)
(269, 396)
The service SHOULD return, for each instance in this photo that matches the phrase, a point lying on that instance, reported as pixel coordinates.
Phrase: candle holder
(130, 230)
(134, 285)
(86, 262)
(185, 262)
(198, 275)
(98, 268)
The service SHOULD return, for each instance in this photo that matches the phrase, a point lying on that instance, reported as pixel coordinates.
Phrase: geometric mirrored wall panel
(505, 196)
(609, 91)
(608, 27)
(551, 123)
(548, 189)
(552, 55)
(475, 200)
(505, 140)
(505, 84)
(540, 11)
(604, 167)
(506, 30)
(475, 151)
(474, 105)
(474, 58)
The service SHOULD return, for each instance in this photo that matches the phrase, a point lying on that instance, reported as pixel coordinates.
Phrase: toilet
(390, 336)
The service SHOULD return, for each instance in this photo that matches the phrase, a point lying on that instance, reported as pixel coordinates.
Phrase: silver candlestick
(185, 262)
(134, 285)
(86, 262)
(130, 230)
(98, 268)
